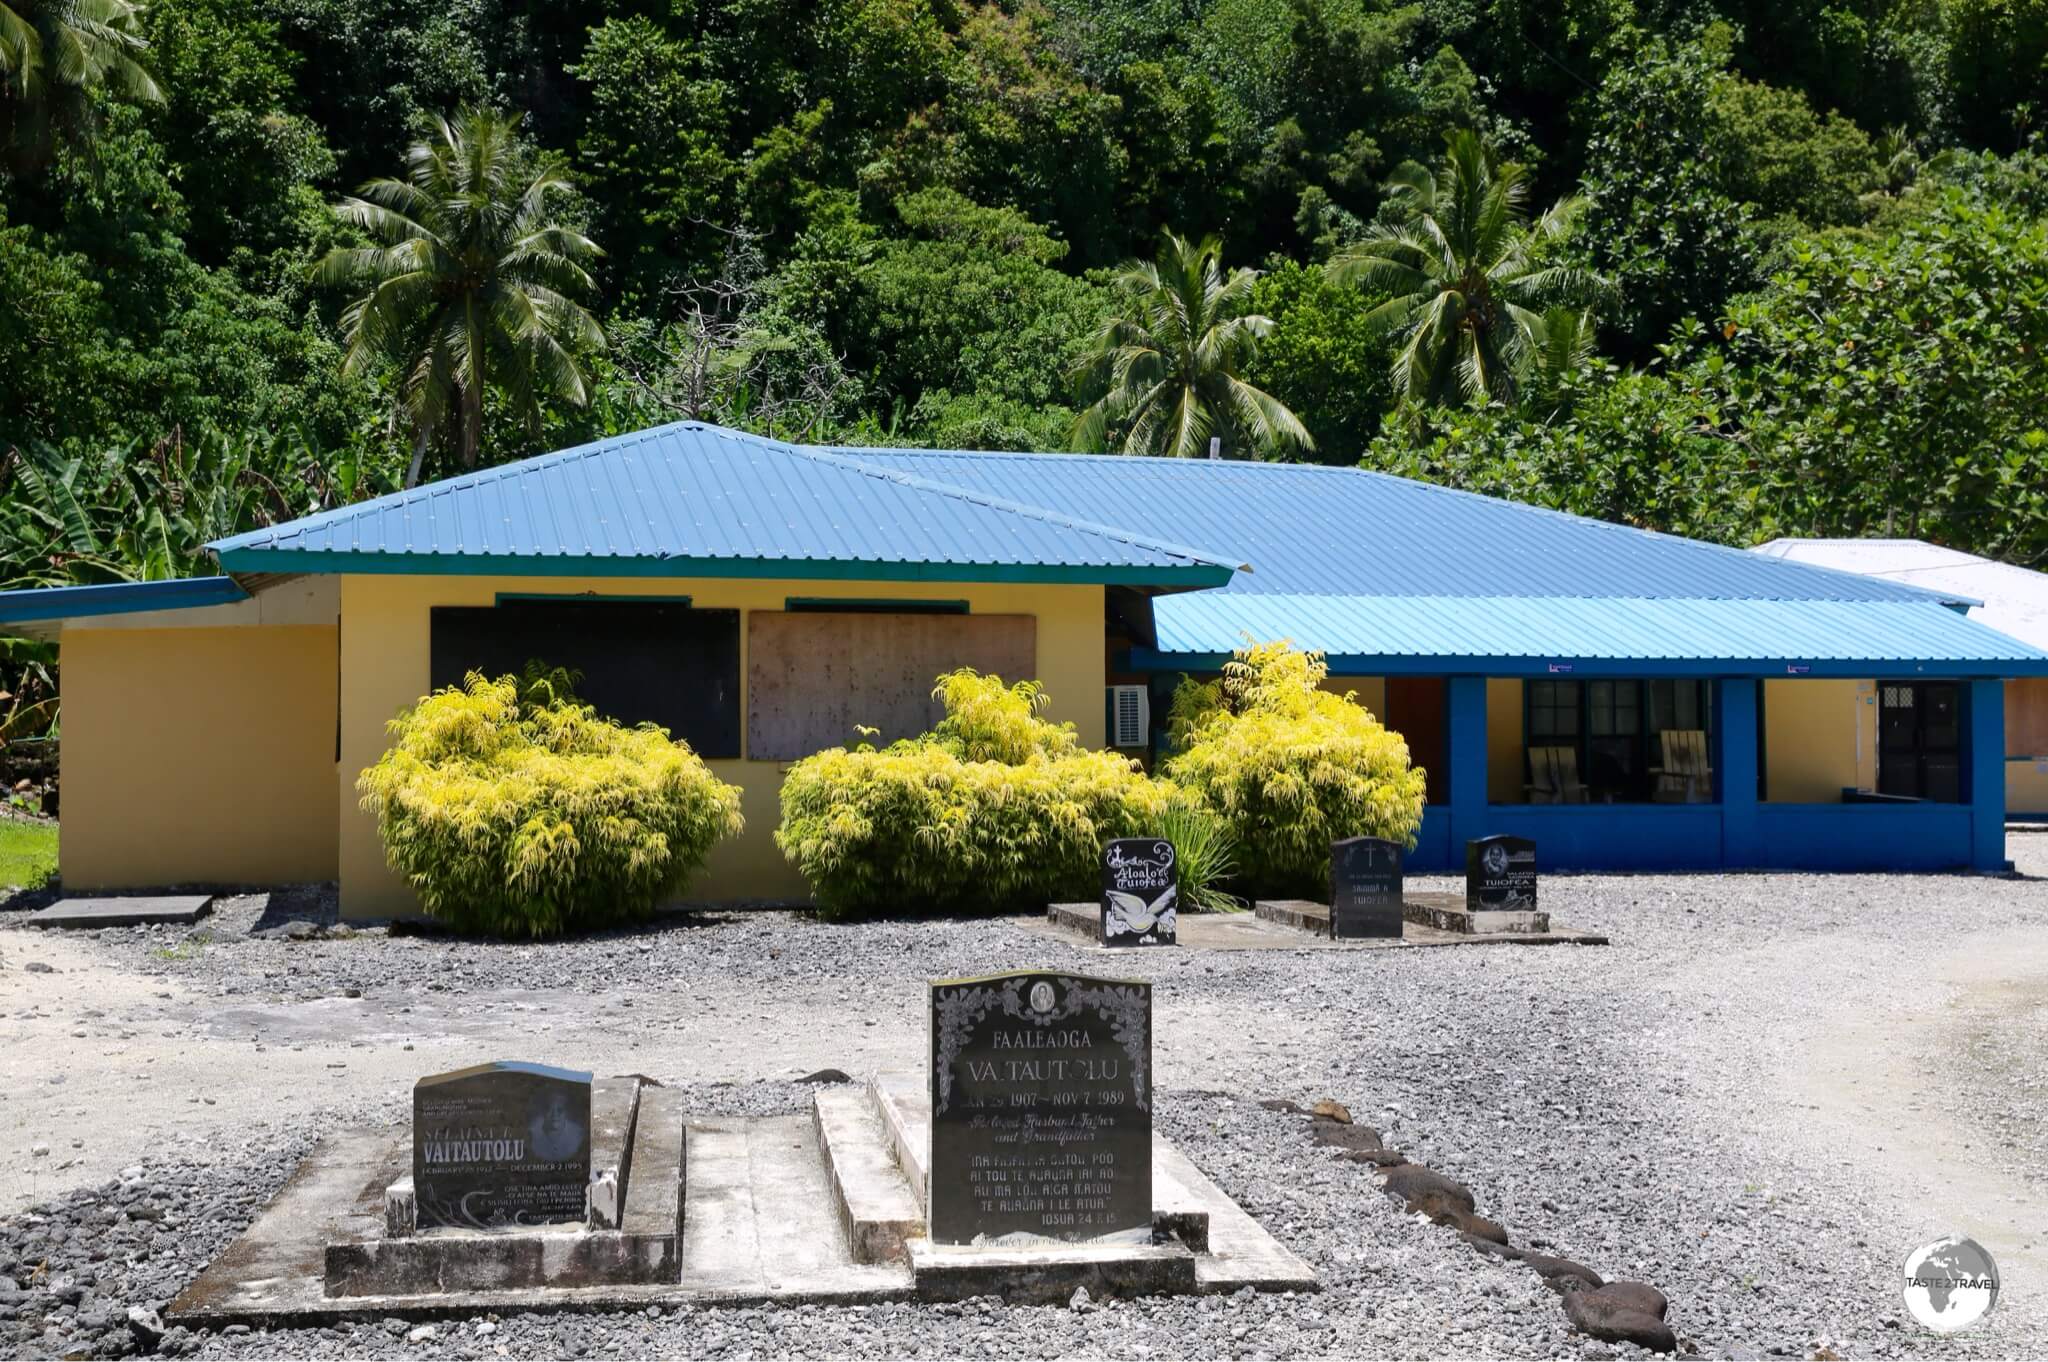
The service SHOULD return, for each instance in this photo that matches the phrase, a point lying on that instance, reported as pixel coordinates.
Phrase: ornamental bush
(513, 809)
(1290, 767)
(995, 808)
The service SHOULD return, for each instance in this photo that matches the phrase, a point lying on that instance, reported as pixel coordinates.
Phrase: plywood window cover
(813, 676)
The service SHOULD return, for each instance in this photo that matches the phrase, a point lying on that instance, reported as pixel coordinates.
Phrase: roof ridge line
(475, 477)
(1666, 536)
(838, 457)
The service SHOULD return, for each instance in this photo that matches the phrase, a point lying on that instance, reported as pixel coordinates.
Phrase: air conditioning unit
(1130, 716)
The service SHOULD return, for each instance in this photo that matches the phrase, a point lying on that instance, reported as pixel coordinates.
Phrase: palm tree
(472, 283)
(1457, 262)
(54, 53)
(1168, 369)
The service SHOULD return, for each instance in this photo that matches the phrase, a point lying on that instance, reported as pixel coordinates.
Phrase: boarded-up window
(655, 662)
(2026, 717)
(813, 676)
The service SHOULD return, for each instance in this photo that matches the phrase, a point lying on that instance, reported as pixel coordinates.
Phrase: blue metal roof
(696, 500)
(116, 598)
(1311, 530)
(1525, 635)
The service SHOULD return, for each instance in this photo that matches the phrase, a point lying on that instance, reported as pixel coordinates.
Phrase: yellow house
(1631, 700)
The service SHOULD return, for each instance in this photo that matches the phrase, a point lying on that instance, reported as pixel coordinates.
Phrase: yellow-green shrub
(995, 808)
(1290, 766)
(513, 809)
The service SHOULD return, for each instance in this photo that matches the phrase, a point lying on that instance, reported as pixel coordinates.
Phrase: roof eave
(1164, 576)
(49, 605)
(1396, 664)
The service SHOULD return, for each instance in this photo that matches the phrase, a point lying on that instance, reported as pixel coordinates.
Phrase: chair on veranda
(1686, 778)
(1554, 776)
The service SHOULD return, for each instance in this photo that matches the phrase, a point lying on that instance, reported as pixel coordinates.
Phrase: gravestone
(504, 1144)
(1140, 904)
(1365, 888)
(1500, 875)
(1041, 1087)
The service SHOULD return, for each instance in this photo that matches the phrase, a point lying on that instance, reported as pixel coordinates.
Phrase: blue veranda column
(1987, 774)
(1741, 832)
(1466, 737)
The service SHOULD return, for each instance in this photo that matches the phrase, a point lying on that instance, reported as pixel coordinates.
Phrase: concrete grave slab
(761, 1227)
(1230, 1249)
(132, 910)
(1289, 925)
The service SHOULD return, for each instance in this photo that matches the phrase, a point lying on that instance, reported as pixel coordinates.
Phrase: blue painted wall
(1739, 832)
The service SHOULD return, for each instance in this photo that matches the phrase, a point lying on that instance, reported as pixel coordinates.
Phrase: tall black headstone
(1500, 875)
(1140, 903)
(1365, 887)
(1041, 1089)
(501, 1144)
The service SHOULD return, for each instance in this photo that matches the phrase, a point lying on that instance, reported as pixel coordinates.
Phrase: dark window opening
(1617, 741)
(640, 661)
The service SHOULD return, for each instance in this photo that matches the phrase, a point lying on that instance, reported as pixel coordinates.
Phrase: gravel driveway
(1766, 1092)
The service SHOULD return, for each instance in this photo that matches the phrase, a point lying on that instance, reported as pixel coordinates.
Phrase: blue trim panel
(1690, 837)
(1185, 576)
(117, 598)
(1858, 669)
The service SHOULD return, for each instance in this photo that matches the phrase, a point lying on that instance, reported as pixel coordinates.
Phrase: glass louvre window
(1616, 708)
(1554, 712)
(1614, 730)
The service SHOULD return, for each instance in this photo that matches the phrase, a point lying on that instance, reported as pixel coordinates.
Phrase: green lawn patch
(28, 852)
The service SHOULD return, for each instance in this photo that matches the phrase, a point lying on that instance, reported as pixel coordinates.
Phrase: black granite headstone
(1041, 1108)
(501, 1144)
(1365, 887)
(1500, 875)
(1140, 903)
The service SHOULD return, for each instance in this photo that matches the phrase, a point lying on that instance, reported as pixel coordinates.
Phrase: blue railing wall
(1739, 832)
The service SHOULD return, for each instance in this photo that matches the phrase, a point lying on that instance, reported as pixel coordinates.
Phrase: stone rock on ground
(1341, 1136)
(1382, 1158)
(1561, 1275)
(1616, 1319)
(145, 1325)
(1638, 1296)
(1425, 1191)
(1330, 1109)
(1477, 1226)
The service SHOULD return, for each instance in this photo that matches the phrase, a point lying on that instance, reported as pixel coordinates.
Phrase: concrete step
(1047, 1275)
(868, 1186)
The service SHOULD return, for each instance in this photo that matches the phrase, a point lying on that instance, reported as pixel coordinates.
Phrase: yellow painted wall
(1504, 769)
(1813, 733)
(384, 662)
(2026, 785)
(198, 756)
(1370, 691)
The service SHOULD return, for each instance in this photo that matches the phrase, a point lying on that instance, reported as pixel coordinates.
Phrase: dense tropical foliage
(1796, 287)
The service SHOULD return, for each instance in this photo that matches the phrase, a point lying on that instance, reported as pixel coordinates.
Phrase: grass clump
(28, 852)
(512, 809)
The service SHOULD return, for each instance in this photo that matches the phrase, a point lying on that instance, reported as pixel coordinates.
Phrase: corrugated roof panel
(1571, 628)
(690, 493)
(1307, 529)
